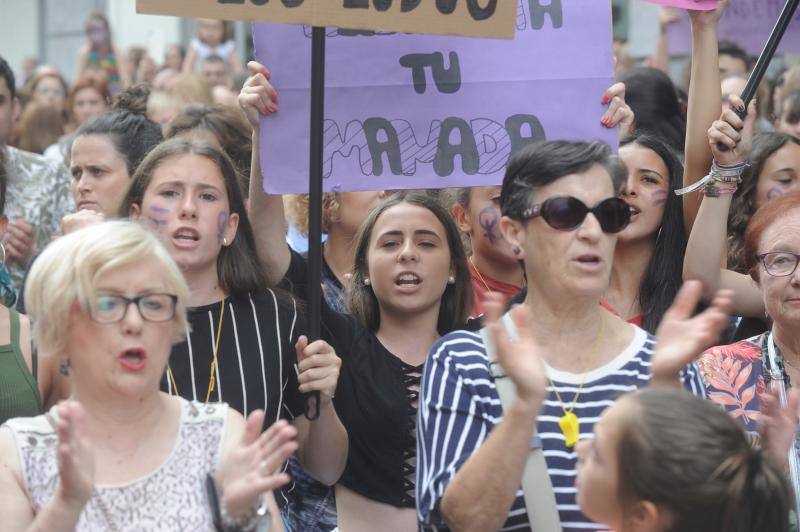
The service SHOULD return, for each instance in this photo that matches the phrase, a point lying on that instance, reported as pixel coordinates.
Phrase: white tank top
(173, 497)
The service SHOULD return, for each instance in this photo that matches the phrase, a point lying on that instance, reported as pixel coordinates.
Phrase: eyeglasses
(779, 263)
(152, 307)
(566, 213)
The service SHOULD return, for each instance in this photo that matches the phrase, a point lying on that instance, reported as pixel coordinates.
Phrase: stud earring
(516, 250)
(451, 280)
(63, 368)
(224, 241)
(366, 281)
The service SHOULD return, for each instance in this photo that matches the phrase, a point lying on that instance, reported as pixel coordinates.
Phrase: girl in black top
(244, 337)
(410, 284)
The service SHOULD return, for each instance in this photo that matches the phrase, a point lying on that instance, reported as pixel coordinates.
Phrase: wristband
(728, 175)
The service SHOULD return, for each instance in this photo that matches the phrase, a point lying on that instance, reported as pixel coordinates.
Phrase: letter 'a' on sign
(468, 18)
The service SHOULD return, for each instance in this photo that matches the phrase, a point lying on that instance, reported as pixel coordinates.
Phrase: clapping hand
(75, 456)
(251, 468)
(519, 358)
(680, 337)
(777, 425)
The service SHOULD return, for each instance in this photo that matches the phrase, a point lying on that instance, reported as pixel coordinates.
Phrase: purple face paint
(774, 192)
(222, 221)
(156, 222)
(487, 219)
(659, 197)
(154, 219)
(160, 210)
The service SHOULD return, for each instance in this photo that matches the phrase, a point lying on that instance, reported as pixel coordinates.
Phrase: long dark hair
(689, 457)
(238, 267)
(457, 297)
(664, 274)
(743, 206)
(655, 103)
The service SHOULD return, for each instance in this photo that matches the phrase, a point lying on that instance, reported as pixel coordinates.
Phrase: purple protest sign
(416, 111)
(745, 22)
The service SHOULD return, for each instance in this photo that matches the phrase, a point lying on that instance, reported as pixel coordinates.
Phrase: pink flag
(698, 5)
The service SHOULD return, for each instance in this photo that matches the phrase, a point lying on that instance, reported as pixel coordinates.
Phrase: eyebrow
(650, 171)
(397, 232)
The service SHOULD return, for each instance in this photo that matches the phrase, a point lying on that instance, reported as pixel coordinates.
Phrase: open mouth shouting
(133, 359)
(407, 282)
(185, 237)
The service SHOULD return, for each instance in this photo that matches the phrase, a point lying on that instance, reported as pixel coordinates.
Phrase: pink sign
(697, 5)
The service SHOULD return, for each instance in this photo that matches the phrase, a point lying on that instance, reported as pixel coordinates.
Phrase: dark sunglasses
(566, 213)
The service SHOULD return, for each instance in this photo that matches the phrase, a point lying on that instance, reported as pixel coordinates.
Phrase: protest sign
(478, 18)
(414, 111)
(747, 23)
(698, 5)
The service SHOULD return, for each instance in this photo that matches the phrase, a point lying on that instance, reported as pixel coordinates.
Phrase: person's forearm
(660, 57)
(705, 249)
(267, 218)
(324, 452)
(481, 494)
(705, 103)
(56, 516)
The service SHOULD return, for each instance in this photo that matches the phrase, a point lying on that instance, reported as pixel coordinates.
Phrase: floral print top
(733, 377)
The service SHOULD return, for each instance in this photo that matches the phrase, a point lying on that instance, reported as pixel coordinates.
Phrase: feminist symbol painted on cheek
(659, 197)
(774, 192)
(488, 220)
(222, 221)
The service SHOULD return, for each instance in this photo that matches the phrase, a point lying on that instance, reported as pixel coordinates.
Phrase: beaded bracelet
(730, 175)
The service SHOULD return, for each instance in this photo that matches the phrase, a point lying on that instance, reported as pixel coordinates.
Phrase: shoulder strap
(14, 319)
(540, 501)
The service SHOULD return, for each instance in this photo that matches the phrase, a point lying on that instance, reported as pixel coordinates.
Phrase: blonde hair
(67, 271)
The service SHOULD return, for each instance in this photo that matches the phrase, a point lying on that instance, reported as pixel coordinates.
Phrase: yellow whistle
(570, 427)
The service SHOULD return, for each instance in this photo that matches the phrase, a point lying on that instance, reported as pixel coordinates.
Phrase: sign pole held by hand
(315, 198)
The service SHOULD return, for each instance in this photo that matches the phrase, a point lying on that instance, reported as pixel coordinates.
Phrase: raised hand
(75, 456)
(20, 241)
(78, 220)
(318, 368)
(710, 17)
(519, 358)
(258, 96)
(777, 425)
(618, 112)
(733, 133)
(680, 338)
(251, 469)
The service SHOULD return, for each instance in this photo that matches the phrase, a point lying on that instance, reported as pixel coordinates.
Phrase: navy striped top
(459, 406)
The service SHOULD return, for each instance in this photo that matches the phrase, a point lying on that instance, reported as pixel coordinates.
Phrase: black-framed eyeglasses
(779, 263)
(110, 308)
(566, 213)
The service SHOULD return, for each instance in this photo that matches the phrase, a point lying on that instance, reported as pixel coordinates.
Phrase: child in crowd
(213, 38)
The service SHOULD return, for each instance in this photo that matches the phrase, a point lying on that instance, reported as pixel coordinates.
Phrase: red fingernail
(605, 98)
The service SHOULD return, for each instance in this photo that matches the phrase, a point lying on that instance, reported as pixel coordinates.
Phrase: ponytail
(689, 457)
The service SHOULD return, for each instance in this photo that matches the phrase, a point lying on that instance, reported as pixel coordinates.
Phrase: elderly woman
(735, 374)
(561, 214)
(121, 455)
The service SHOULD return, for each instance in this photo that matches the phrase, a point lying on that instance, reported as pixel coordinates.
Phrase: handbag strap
(540, 501)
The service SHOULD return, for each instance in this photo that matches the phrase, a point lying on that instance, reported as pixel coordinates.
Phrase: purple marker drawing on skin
(488, 220)
(162, 210)
(659, 197)
(774, 192)
(156, 222)
(222, 221)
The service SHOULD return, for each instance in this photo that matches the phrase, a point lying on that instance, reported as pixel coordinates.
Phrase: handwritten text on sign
(745, 22)
(478, 18)
(412, 111)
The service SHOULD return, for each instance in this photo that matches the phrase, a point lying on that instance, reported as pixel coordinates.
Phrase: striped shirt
(256, 358)
(459, 406)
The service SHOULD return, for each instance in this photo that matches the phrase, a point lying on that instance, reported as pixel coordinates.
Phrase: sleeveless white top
(173, 497)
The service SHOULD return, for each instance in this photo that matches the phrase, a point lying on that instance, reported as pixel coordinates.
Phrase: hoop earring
(3, 249)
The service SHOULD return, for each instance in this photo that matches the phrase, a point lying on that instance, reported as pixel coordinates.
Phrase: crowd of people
(606, 340)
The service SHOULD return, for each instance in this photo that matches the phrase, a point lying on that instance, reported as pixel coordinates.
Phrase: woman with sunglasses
(562, 215)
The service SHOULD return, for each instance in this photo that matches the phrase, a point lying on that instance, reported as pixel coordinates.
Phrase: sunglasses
(566, 213)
